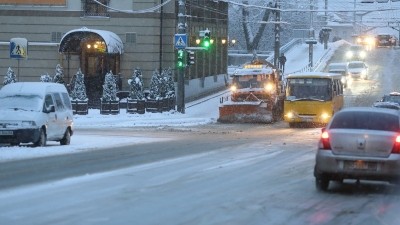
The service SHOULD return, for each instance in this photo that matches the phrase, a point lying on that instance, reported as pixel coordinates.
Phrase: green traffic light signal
(206, 43)
(181, 62)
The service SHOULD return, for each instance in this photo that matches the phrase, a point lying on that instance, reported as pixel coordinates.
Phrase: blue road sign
(180, 41)
(18, 48)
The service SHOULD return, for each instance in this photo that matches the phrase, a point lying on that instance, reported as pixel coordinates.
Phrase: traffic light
(190, 58)
(206, 43)
(181, 63)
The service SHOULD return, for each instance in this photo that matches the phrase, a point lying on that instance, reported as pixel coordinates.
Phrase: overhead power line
(153, 9)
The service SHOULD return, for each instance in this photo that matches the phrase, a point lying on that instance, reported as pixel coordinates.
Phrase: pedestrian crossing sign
(18, 48)
(180, 41)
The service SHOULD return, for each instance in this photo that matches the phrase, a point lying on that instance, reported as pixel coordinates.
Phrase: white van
(35, 112)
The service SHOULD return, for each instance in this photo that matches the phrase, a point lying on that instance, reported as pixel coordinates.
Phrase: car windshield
(309, 88)
(356, 65)
(356, 48)
(21, 102)
(365, 120)
(391, 98)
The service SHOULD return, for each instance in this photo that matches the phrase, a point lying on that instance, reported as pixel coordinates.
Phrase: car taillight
(396, 146)
(324, 142)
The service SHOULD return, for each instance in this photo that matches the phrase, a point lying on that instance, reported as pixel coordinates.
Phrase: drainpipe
(161, 35)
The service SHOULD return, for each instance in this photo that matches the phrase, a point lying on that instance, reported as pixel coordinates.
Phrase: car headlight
(364, 72)
(349, 54)
(233, 88)
(343, 79)
(363, 54)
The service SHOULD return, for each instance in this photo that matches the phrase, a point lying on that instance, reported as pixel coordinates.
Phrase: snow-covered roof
(70, 42)
(36, 88)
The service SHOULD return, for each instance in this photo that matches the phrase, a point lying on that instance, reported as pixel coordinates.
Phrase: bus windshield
(308, 89)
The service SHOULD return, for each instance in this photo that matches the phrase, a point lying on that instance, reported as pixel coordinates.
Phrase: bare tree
(252, 41)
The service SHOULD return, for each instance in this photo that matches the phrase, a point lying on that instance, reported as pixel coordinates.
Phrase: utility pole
(181, 70)
(277, 34)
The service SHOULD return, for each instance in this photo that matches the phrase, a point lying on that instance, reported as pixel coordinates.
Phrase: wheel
(42, 139)
(66, 140)
(321, 183)
(292, 125)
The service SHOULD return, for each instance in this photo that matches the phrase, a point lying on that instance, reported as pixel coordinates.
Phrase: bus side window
(334, 88)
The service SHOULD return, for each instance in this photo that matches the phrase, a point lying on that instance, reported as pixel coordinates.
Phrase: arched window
(92, 8)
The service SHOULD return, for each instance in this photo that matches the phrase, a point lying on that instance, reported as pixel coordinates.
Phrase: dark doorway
(95, 67)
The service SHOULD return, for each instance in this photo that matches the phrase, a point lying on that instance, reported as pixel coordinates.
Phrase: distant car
(361, 143)
(385, 40)
(356, 52)
(357, 70)
(365, 40)
(392, 97)
(340, 68)
(388, 105)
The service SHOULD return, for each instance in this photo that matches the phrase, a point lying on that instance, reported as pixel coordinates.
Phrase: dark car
(361, 143)
(392, 97)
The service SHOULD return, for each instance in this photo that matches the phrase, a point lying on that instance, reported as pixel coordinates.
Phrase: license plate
(360, 165)
(6, 132)
(307, 119)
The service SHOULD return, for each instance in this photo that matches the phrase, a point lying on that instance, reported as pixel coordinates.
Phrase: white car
(357, 70)
(35, 112)
(356, 52)
(340, 68)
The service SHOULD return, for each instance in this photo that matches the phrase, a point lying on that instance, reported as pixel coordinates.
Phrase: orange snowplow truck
(255, 95)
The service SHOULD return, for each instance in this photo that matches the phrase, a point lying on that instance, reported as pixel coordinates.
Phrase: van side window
(67, 100)
(59, 102)
(48, 101)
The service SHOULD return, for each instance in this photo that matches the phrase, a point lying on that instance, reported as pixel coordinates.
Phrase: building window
(91, 8)
(131, 38)
(56, 37)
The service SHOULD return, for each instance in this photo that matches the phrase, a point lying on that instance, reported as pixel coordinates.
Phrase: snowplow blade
(245, 112)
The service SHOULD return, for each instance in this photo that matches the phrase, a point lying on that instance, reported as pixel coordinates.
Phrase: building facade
(98, 36)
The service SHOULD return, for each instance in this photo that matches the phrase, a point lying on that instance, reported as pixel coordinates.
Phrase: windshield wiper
(308, 99)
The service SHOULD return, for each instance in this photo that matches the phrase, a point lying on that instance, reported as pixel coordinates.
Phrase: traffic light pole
(180, 100)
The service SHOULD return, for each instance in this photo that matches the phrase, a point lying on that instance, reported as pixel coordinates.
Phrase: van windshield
(21, 102)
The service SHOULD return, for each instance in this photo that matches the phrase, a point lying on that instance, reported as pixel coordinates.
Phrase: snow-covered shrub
(170, 85)
(109, 88)
(136, 85)
(59, 76)
(155, 86)
(46, 78)
(78, 92)
(9, 77)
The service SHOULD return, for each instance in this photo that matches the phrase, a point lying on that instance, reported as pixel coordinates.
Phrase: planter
(109, 107)
(153, 105)
(171, 102)
(165, 104)
(79, 107)
(136, 106)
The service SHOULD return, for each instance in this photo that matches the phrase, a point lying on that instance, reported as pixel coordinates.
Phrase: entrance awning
(71, 41)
